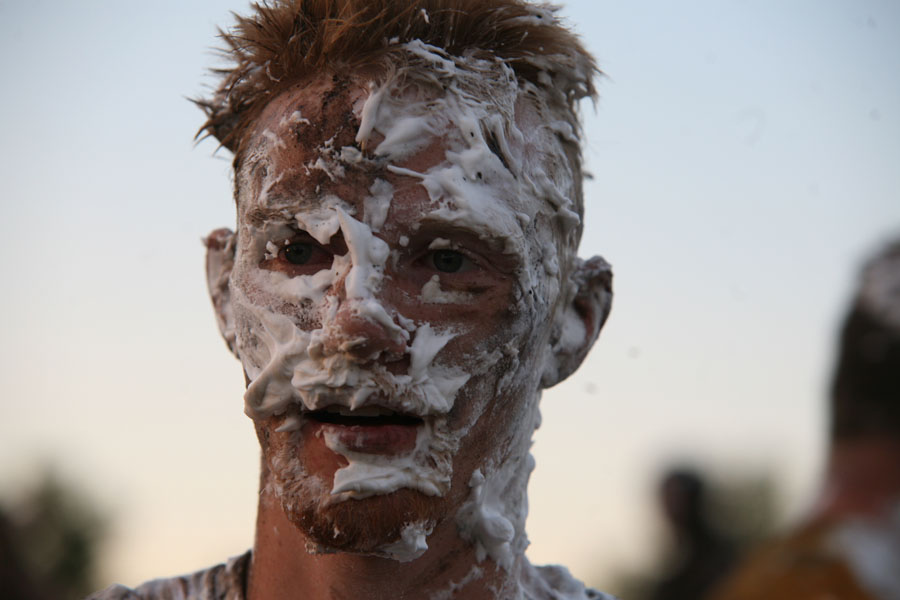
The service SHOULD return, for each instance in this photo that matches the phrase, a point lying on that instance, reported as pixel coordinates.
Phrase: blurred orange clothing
(804, 565)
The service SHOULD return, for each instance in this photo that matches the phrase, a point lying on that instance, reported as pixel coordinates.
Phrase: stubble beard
(330, 524)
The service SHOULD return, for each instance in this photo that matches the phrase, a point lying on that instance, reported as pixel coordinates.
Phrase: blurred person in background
(849, 546)
(701, 554)
(402, 284)
(50, 538)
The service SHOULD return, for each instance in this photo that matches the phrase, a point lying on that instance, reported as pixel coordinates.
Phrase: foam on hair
(282, 41)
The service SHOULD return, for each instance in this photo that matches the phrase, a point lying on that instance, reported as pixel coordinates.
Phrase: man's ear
(220, 245)
(579, 321)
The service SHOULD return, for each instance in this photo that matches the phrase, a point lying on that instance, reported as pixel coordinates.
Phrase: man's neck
(863, 478)
(282, 567)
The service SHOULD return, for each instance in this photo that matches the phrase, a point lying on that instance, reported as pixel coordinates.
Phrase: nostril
(363, 342)
(372, 348)
(350, 345)
(396, 365)
(357, 329)
(360, 348)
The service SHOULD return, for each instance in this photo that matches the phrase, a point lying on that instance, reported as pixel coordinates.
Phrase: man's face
(393, 292)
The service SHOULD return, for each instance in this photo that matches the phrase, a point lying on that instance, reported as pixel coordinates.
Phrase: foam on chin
(373, 474)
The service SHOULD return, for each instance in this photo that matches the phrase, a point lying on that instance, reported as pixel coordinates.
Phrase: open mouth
(367, 415)
(335, 419)
(370, 429)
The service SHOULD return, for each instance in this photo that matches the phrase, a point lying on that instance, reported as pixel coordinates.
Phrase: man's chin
(300, 472)
(372, 525)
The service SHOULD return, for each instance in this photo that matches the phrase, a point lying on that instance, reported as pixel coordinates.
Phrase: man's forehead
(309, 143)
(311, 113)
(327, 110)
(286, 171)
(308, 137)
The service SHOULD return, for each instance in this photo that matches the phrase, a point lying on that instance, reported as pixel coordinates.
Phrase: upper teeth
(364, 411)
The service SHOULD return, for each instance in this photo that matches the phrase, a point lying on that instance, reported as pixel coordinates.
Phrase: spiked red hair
(281, 41)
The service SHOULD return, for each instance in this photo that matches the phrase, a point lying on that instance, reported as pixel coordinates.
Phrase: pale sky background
(746, 157)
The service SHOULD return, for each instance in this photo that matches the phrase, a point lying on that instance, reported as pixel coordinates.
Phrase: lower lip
(372, 439)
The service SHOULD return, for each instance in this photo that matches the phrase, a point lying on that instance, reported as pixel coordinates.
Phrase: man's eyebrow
(441, 226)
(261, 215)
(282, 205)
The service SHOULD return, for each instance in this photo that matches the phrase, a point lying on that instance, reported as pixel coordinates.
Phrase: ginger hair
(282, 41)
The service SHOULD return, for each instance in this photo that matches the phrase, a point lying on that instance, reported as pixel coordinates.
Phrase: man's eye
(450, 261)
(301, 257)
(298, 253)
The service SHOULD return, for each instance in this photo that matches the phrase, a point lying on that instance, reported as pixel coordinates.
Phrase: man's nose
(363, 331)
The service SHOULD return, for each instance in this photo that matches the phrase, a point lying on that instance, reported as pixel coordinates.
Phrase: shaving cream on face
(411, 544)
(494, 181)
(432, 292)
(451, 591)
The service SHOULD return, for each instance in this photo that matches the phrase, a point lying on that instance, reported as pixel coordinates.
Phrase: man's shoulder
(224, 581)
(555, 581)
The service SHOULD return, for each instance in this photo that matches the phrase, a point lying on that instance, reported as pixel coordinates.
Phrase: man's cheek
(485, 360)
(307, 312)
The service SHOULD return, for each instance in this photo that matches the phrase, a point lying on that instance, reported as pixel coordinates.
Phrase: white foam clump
(295, 118)
(378, 203)
(299, 289)
(411, 544)
(323, 221)
(272, 250)
(432, 292)
(439, 243)
(367, 256)
(487, 519)
(404, 136)
(403, 133)
(438, 384)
